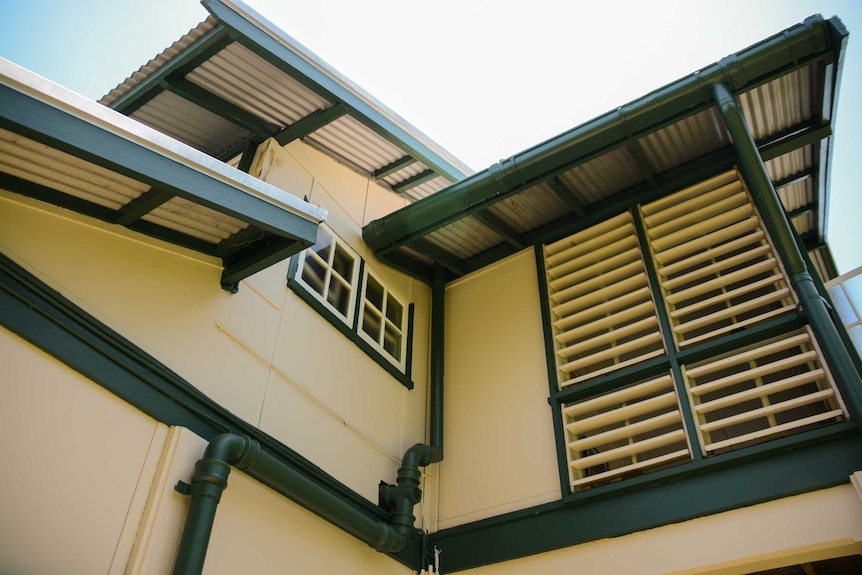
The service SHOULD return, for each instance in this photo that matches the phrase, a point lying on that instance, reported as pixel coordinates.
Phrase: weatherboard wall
(263, 354)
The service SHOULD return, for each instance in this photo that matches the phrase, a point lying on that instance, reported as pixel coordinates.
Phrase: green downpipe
(750, 67)
(767, 201)
(210, 480)
(438, 300)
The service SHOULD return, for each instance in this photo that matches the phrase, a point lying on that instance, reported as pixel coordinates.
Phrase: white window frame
(350, 283)
(401, 327)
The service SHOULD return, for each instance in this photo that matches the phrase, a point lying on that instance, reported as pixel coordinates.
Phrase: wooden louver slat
(632, 430)
(603, 314)
(762, 392)
(717, 268)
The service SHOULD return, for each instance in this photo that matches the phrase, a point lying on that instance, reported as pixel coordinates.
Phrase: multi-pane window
(355, 299)
(330, 269)
(383, 319)
(645, 309)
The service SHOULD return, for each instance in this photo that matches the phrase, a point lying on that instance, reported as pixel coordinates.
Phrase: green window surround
(341, 287)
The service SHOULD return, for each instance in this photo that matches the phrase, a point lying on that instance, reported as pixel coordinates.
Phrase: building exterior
(238, 260)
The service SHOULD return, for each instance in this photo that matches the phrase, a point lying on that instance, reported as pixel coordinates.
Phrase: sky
(484, 79)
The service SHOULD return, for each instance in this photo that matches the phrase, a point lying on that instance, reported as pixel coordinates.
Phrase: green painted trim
(753, 170)
(217, 105)
(640, 160)
(347, 331)
(794, 178)
(509, 234)
(551, 365)
(715, 485)
(566, 194)
(310, 123)
(248, 154)
(797, 46)
(801, 210)
(93, 210)
(395, 166)
(303, 68)
(64, 131)
(140, 206)
(201, 50)
(264, 254)
(49, 321)
(414, 181)
(441, 257)
(666, 329)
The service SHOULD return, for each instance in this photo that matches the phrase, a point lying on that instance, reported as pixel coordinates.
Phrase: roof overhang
(61, 148)
(236, 80)
(673, 137)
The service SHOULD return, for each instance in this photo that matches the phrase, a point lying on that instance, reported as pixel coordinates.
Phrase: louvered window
(602, 310)
(717, 269)
(681, 285)
(624, 433)
(771, 389)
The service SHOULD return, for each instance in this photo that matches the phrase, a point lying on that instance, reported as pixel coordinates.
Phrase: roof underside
(235, 80)
(58, 147)
(671, 138)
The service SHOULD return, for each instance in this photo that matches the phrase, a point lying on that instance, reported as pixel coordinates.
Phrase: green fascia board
(310, 71)
(712, 487)
(43, 317)
(69, 132)
(800, 45)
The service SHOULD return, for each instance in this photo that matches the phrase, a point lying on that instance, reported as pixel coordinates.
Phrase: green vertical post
(768, 203)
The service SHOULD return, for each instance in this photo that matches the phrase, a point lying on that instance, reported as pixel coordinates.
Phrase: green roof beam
(218, 106)
(566, 194)
(414, 181)
(501, 228)
(275, 47)
(395, 166)
(310, 123)
(142, 205)
(794, 179)
(815, 40)
(200, 51)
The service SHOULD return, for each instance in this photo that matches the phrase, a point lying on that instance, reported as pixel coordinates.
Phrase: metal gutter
(269, 42)
(806, 42)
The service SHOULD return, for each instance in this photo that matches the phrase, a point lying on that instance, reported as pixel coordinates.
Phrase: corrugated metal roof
(245, 89)
(41, 164)
(665, 141)
(61, 148)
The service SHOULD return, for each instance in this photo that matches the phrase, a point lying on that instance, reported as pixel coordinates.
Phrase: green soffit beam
(266, 40)
(809, 41)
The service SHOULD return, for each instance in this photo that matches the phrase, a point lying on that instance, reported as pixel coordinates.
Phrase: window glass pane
(323, 245)
(343, 263)
(339, 296)
(392, 342)
(394, 310)
(313, 274)
(374, 292)
(371, 323)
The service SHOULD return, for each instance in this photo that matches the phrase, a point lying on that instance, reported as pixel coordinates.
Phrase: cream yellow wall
(88, 487)
(499, 434)
(810, 527)
(77, 465)
(262, 353)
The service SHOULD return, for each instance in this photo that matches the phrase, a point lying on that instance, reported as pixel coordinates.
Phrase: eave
(670, 138)
(236, 80)
(60, 148)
